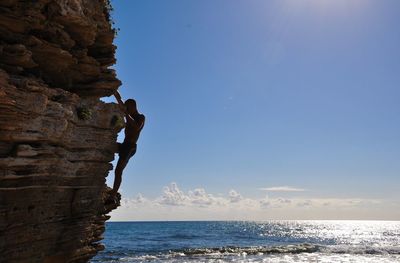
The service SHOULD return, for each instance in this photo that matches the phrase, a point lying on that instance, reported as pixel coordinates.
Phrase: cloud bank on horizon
(198, 204)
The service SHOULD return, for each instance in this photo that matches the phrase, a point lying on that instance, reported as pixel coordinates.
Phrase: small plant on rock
(117, 122)
(84, 113)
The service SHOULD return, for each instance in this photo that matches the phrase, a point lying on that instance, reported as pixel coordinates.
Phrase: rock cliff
(57, 138)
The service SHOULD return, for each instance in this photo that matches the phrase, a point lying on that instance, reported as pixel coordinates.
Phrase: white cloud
(200, 197)
(172, 196)
(139, 199)
(198, 204)
(305, 203)
(234, 196)
(283, 189)
(265, 202)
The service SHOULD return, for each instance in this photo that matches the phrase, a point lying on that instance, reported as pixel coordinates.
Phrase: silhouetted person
(133, 127)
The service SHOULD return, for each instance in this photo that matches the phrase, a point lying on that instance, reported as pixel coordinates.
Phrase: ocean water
(245, 241)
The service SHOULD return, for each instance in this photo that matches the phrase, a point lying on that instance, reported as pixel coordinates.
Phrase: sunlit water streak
(272, 241)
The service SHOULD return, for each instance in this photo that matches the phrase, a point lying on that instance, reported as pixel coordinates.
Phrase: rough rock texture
(57, 138)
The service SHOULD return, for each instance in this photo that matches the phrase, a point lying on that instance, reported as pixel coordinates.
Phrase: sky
(259, 110)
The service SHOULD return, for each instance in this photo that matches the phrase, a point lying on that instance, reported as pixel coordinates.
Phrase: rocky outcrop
(57, 138)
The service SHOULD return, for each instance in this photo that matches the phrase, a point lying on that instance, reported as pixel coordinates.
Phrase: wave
(232, 252)
(366, 250)
(289, 249)
(294, 249)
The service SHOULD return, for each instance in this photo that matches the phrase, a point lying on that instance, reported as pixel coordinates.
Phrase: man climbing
(133, 127)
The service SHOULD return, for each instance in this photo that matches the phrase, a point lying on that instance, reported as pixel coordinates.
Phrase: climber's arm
(143, 119)
(120, 102)
(118, 97)
(129, 118)
(137, 121)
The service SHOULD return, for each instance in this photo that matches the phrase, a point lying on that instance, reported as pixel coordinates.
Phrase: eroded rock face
(57, 138)
(67, 43)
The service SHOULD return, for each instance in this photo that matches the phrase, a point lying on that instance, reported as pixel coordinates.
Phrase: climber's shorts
(126, 150)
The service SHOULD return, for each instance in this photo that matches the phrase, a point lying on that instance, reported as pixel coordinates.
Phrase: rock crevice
(57, 138)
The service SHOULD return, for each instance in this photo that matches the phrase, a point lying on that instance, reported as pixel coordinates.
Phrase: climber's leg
(126, 151)
(122, 162)
(119, 147)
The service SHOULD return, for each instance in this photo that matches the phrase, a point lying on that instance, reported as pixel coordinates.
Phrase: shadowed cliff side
(57, 138)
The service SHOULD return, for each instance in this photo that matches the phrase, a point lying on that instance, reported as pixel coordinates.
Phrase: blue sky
(243, 95)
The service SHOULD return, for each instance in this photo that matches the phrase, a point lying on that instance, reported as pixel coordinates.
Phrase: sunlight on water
(273, 241)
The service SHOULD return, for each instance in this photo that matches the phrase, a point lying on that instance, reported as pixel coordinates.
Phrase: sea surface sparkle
(247, 241)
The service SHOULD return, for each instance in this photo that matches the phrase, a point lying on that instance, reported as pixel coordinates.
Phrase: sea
(248, 241)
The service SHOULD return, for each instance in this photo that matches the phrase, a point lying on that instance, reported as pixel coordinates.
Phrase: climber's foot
(113, 192)
(113, 198)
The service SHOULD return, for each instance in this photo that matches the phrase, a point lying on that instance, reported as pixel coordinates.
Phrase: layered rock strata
(57, 138)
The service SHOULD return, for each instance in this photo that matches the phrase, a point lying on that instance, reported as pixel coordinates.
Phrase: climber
(133, 127)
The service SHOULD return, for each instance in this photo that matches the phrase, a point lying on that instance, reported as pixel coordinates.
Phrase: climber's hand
(121, 104)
